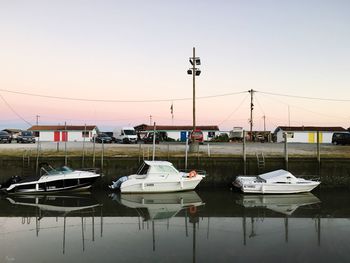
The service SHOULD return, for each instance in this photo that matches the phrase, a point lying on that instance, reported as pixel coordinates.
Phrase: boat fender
(193, 209)
(191, 174)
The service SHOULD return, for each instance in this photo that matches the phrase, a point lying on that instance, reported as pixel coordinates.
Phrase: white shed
(306, 134)
(62, 133)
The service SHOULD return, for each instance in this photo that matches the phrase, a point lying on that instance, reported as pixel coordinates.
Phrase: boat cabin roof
(151, 163)
(277, 176)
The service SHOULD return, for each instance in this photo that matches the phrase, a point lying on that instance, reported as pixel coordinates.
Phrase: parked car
(103, 138)
(341, 138)
(149, 138)
(25, 137)
(196, 136)
(5, 137)
(110, 134)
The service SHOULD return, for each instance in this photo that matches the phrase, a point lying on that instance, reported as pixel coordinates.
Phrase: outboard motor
(13, 180)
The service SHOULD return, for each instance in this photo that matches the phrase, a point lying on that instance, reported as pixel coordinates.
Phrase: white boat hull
(160, 186)
(266, 188)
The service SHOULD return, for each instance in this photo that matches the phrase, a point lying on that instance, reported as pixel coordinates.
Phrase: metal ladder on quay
(26, 168)
(260, 158)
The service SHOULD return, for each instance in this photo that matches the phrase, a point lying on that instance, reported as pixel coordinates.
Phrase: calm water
(205, 226)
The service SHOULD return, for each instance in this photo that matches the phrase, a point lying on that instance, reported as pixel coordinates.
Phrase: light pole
(194, 72)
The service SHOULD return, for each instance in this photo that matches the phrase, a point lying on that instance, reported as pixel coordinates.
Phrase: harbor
(222, 161)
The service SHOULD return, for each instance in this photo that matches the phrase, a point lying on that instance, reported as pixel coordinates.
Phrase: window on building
(85, 134)
(36, 133)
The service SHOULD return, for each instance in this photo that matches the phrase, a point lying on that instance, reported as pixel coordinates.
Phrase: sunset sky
(114, 63)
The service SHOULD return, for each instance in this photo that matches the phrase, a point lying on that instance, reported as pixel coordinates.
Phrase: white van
(125, 135)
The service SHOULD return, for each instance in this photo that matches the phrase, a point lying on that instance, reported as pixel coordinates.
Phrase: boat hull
(54, 184)
(276, 188)
(160, 186)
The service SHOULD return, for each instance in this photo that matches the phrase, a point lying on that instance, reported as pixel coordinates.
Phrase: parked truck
(236, 134)
(125, 135)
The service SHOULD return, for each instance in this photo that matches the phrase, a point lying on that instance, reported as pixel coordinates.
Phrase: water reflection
(59, 206)
(163, 207)
(284, 204)
(160, 206)
(207, 226)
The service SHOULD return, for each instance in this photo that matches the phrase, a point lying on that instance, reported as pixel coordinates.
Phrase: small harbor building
(62, 133)
(306, 134)
(178, 133)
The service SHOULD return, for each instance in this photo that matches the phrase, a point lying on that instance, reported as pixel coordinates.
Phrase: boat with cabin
(51, 180)
(157, 177)
(275, 182)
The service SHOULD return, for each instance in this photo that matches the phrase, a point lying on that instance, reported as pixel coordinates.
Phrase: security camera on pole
(194, 146)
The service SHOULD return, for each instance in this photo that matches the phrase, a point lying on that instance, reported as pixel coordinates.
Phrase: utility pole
(251, 113)
(37, 146)
(194, 88)
(194, 72)
(264, 117)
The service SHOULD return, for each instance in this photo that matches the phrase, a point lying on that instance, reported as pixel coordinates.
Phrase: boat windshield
(64, 169)
(60, 170)
(143, 169)
(162, 169)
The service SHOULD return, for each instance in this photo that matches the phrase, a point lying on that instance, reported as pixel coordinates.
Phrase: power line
(238, 107)
(9, 106)
(302, 97)
(118, 101)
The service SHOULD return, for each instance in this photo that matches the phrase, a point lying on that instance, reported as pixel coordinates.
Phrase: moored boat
(275, 182)
(51, 180)
(157, 177)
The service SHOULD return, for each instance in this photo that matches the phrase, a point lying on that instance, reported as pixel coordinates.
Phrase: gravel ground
(214, 149)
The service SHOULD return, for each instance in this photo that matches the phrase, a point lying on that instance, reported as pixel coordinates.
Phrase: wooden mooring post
(244, 154)
(286, 150)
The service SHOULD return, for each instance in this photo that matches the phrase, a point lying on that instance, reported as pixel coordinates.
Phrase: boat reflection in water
(160, 206)
(59, 206)
(164, 206)
(284, 204)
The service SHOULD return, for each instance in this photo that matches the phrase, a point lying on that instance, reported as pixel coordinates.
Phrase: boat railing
(93, 170)
(201, 172)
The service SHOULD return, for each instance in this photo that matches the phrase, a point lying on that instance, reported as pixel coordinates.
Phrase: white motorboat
(51, 180)
(160, 206)
(157, 177)
(275, 182)
(284, 204)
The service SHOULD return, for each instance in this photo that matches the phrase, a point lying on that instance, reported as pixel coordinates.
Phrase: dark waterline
(202, 226)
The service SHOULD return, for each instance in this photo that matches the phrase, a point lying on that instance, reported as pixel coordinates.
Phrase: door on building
(64, 136)
(183, 136)
(56, 136)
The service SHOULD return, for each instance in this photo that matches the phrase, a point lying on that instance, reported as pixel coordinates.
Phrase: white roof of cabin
(278, 176)
(151, 163)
